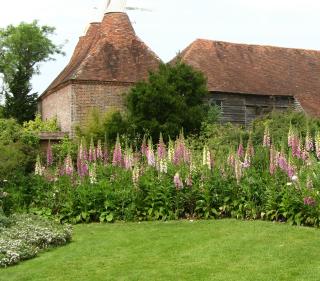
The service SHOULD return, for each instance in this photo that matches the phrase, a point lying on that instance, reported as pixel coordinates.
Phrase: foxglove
(117, 154)
(68, 165)
(266, 137)
(93, 173)
(38, 167)
(150, 154)
(92, 152)
(309, 142)
(177, 181)
(99, 151)
(49, 155)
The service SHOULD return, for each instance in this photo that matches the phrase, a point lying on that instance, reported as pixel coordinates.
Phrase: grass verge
(202, 250)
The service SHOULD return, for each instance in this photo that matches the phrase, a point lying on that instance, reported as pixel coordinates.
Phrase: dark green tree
(22, 48)
(171, 99)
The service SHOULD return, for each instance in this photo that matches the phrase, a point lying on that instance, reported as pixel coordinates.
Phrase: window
(217, 103)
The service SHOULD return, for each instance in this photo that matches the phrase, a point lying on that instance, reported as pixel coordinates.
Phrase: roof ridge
(198, 40)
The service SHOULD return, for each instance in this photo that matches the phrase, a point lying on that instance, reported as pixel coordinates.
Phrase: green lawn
(204, 250)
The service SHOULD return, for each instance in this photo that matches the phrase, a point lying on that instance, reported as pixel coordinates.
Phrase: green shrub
(171, 99)
(279, 124)
(38, 125)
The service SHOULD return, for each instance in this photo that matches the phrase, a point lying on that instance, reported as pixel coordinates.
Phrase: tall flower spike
(178, 183)
(273, 160)
(249, 154)
(250, 147)
(238, 169)
(309, 142)
(240, 150)
(161, 151)
(296, 146)
(290, 169)
(99, 151)
(204, 155)
(231, 160)
(163, 166)
(290, 136)
(93, 173)
(49, 155)
(266, 137)
(170, 151)
(38, 167)
(68, 165)
(144, 147)
(117, 154)
(150, 154)
(282, 162)
(105, 154)
(318, 144)
(82, 167)
(92, 152)
(135, 175)
(128, 159)
(83, 150)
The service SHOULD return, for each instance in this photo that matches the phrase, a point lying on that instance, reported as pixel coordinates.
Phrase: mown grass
(202, 250)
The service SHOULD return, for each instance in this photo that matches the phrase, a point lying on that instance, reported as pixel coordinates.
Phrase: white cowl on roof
(116, 6)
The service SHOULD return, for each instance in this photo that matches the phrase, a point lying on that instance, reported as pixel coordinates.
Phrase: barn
(245, 81)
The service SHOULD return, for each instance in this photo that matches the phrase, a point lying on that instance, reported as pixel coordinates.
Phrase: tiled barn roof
(109, 52)
(258, 70)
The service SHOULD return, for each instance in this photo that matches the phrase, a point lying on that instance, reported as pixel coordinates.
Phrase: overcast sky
(171, 25)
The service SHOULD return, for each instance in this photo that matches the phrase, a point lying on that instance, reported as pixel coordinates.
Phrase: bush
(279, 124)
(38, 125)
(27, 235)
(18, 149)
(171, 99)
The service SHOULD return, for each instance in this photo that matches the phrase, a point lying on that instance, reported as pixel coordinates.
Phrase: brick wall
(102, 97)
(72, 104)
(58, 104)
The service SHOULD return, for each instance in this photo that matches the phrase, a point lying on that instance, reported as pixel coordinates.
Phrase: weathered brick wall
(73, 103)
(99, 96)
(58, 104)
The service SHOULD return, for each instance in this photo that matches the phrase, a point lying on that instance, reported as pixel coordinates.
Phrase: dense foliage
(19, 146)
(23, 236)
(22, 48)
(232, 173)
(105, 126)
(171, 99)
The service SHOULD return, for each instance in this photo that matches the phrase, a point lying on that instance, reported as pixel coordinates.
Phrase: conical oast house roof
(109, 52)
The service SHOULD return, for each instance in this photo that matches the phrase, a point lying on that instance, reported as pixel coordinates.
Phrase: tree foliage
(171, 99)
(18, 149)
(22, 48)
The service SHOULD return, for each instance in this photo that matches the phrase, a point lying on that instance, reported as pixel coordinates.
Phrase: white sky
(174, 24)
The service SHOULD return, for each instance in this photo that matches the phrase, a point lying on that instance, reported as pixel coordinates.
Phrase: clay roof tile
(110, 51)
(258, 70)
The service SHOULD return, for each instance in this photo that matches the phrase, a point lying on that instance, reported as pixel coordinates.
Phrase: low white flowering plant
(29, 234)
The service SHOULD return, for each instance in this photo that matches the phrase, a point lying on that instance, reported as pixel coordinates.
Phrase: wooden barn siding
(243, 108)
